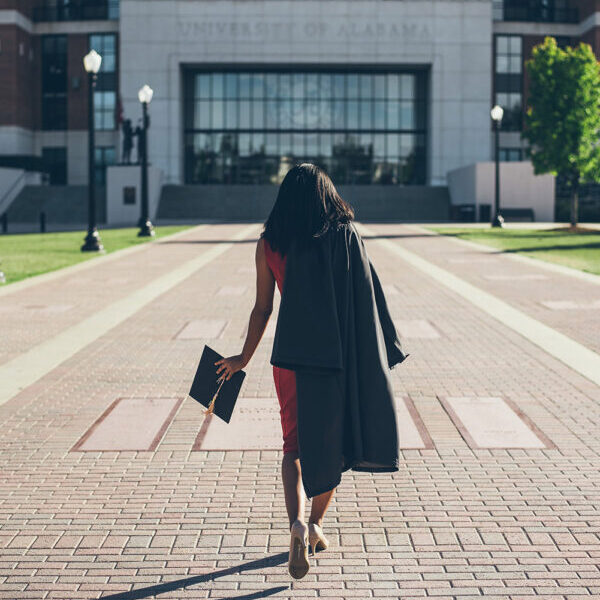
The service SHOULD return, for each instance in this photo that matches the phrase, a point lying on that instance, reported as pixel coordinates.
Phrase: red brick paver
(454, 522)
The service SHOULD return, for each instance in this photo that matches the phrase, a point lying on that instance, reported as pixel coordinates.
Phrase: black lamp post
(145, 97)
(497, 113)
(92, 243)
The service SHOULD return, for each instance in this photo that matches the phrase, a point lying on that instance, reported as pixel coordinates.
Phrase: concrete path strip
(27, 368)
(90, 262)
(575, 355)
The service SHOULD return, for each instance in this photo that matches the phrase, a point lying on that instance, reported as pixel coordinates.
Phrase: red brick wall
(17, 99)
(592, 37)
(36, 82)
(23, 6)
(586, 7)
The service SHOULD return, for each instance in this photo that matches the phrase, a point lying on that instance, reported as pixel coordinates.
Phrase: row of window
(324, 85)
(543, 11)
(76, 10)
(257, 157)
(306, 114)
(55, 82)
(362, 126)
(305, 101)
(390, 145)
(508, 80)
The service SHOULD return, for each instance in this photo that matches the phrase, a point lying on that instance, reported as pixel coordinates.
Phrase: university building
(390, 96)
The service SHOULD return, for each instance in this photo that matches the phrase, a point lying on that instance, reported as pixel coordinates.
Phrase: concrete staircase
(68, 204)
(64, 204)
(12, 182)
(254, 202)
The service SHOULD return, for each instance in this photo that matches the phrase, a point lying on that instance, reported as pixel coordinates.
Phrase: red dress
(285, 380)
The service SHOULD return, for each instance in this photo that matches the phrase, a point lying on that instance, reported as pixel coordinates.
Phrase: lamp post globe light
(497, 113)
(145, 97)
(92, 243)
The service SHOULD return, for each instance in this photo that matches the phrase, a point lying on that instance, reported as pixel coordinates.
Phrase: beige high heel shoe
(316, 539)
(298, 564)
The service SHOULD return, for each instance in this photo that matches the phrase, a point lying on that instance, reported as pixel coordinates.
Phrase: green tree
(562, 121)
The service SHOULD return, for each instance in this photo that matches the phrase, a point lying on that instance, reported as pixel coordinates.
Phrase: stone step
(242, 202)
(61, 203)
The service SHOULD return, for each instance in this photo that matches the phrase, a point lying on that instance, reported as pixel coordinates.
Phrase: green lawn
(25, 255)
(579, 250)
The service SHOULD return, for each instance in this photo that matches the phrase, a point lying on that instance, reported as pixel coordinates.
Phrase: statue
(127, 142)
(141, 142)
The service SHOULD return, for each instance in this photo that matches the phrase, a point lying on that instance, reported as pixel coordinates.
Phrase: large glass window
(105, 95)
(510, 154)
(55, 164)
(553, 11)
(251, 126)
(104, 156)
(54, 82)
(509, 80)
(76, 10)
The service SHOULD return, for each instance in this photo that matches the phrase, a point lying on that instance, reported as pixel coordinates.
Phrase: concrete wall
(117, 178)
(15, 140)
(519, 187)
(254, 202)
(452, 37)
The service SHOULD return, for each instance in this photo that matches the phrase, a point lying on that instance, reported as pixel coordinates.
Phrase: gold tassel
(211, 407)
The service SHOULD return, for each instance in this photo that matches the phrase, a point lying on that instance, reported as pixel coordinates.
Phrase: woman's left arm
(259, 317)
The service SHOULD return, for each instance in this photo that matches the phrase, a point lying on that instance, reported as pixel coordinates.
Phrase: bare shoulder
(263, 269)
(260, 250)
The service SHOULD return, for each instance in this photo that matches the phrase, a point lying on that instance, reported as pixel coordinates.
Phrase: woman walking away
(334, 346)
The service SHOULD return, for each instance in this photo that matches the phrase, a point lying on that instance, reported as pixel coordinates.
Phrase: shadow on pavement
(516, 234)
(561, 247)
(248, 241)
(394, 236)
(161, 588)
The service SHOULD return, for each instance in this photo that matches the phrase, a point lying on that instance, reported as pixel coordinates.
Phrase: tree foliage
(562, 120)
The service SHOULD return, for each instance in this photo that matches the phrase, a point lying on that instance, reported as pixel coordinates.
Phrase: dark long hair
(307, 205)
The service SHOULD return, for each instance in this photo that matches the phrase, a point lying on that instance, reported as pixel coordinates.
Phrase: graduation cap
(219, 398)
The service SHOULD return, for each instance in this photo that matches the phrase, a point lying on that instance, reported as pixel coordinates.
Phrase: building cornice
(71, 27)
(589, 23)
(541, 29)
(14, 17)
(554, 29)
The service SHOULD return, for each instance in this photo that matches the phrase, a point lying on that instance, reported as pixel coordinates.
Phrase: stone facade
(452, 38)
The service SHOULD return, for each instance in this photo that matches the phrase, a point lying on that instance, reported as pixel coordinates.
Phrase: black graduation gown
(335, 331)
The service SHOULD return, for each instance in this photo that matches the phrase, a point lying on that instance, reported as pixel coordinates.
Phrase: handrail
(10, 189)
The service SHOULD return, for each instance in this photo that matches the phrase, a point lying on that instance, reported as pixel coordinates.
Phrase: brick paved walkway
(566, 303)
(457, 520)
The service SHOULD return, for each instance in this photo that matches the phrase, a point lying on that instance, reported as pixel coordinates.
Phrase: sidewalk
(499, 503)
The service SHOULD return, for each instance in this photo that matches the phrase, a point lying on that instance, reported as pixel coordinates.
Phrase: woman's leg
(292, 486)
(319, 506)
